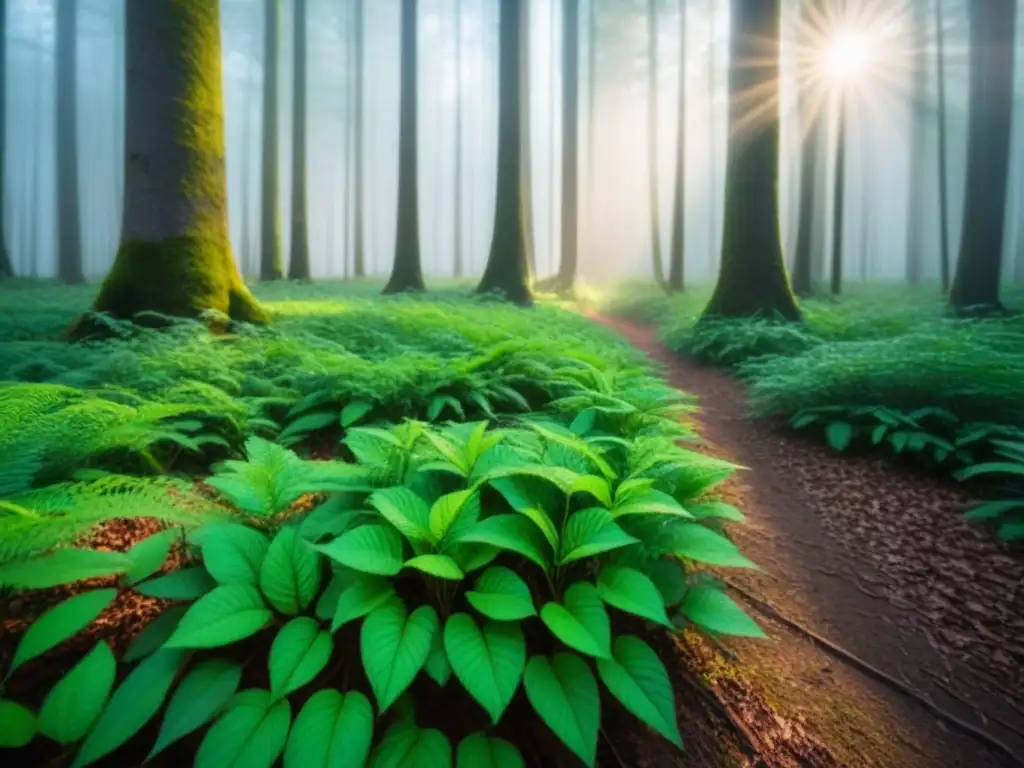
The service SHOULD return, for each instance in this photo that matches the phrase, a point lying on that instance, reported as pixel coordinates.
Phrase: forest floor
(895, 626)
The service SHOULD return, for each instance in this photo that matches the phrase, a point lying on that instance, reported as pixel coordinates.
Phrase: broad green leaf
(405, 510)
(581, 621)
(232, 553)
(250, 734)
(182, 584)
(1011, 532)
(133, 704)
(438, 666)
(59, 623)
(331, 731)
(445, 512)
(589, 532)
(395, 646)
(596, 486)
(694, 541)
(717, 509)
(488, 661)
(563, 691)
(441, 566)
(838, 434)
(990, 510)
(299, 653)
(290, 573)
(371, 548)
(649, 502)
(17, 725)
(155, 634)
(149, 555)
(709, 607)
(74, 703)
(302, 426)
(354, 411)
(670, 579)
(631, 591)
(328, 600)
(510, 532)
(480, 751)
(544, 524)
(502, 595)
(472, 557)
(358, 597)
(406, 745)
(64, 566)
(637, 678)
(224, 616)
(199, 698)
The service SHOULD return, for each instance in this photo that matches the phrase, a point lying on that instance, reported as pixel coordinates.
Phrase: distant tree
(359, 51)
(298, 264)
(70, 267)
(803, 260)
(246, 227)
(457, 265)
(752, 277)
(712, 138)
(175, 255)
(652, 142)
(918, 132)
(676, 250)
(940, 53)
(567, 264)
(976, 285)
(6, 268)
(406, 272)
(839, 197)
(271, 260)
(507, 269)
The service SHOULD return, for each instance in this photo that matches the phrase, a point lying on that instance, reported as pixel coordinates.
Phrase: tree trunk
(838, 199)
(976, 286)
(507, 271)
(457, 265)
(244, 258)
(570, 143)
(803, 260)
(652, 143)
(591, 170)
(752, 278)
(359, 256)
(6, 268)
(175, 255)
(918, 132)
(271, 260)
(676, 254)
(349, 151)
(69, 218)
(713, 230)
(298, 264)
(940, 48)
(526, 177)
(406, 273)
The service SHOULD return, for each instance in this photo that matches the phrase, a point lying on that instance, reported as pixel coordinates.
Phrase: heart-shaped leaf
(197, 700)
(370, 548)
(232, 553)
(480, 751)
(331, 731)
(563, 691)
(709, 607)
(182, 584)
(405, 510)
(290, 573)
(447, 511)
(631, 591)
(438, 666)
(298, 654)
(510, 532)
(250, 734)
(488, 661)
(74, 703)
(359, 595)
(500, 594)
(406, 745)
(395, 646)
(441, 566)
(589, 532)
(224, 616)
(149, 555)
(596, 486)
(694, 541)
(637, 678)
(59, 623)
(581, 622)
(17, 725)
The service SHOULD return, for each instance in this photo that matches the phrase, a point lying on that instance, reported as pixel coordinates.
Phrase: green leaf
(510, 532)
(360, 596)
(406, 745)
(331, 731)
(305, 424)
(591, 531)
(487, 661)
(445, 512)
(250, 734)
(596, 486)
(74, 703)
(990, 510)
(370, 548)
(563, 691)
(581, 622)
(199, 698)
(354, 411)
(395, 647)
(441, 566)
(479, 751)
(669, 577)
(17, 725)
(59, 623)
(694, 541)
(717, 510)
(544, 523)
(64, 566)
(299, 653)
(502, 595)
(290, 573)
(224, 616)
(631, 591)
(709, 607)
(149, 555)
(637, 678)
(438, 666)
(991, 468)
(155, 634)
(133, 704)
(472, 557)
(232, 553)
(1011, 532)
(648, 501)
(182, 584)
(838, 434)
(405, 510)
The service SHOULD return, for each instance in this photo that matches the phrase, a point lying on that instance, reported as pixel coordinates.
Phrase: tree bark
(654, 211)
(676, 265)
(940, 47)
(838, 200)
(919, 113)
(6, 268)
(457, 265)
(298, 264)
(406, 273)
(803, 260)
(567, 264)
(359, 246)
(507, 271)
(752, 278)
(70, 268)
(976, 286)
(175, 255)
(271, 260)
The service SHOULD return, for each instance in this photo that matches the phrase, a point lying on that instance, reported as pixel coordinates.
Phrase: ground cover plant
(362, 511)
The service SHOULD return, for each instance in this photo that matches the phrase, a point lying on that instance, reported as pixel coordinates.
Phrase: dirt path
(817, 527)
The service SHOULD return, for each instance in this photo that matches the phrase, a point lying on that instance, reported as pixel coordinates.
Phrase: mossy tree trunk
(676, 257)
(175, 256)
(567, 264)
(298, 265)
(976, 286)
(752, 277)
(70, 268)
(359, 245)
(271, 260)
(508, 270)
(6, 268)
(406, 273)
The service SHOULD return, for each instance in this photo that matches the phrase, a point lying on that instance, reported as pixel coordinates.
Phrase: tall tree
(810, 153)
(838, 196)
(652, 142)
(175, 255)
(918, 132)
(406, 272)
(676, 250)
(70, 268)
(712, 139)
(567, 265)
(508, 270)
(992, 27)
(6, 269)
(298, 264)
(940, 53)
(359, 51)
(752, 277)
(246, 239)
(271, 260)
(457, 265)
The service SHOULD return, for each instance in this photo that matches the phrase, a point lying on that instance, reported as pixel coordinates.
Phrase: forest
(507, 383)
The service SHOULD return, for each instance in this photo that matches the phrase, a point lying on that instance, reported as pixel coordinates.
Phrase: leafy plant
(1008, 512)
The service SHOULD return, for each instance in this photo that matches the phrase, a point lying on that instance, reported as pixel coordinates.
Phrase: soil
(914, 609)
